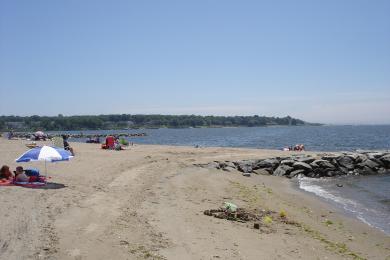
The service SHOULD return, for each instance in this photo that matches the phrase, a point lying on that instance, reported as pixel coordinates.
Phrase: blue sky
(322, 61)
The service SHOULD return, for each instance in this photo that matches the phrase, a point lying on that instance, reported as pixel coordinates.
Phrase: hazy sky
(321, 61)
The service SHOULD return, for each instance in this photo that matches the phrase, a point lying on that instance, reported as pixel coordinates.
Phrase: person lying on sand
(20, 175)
(5, 173)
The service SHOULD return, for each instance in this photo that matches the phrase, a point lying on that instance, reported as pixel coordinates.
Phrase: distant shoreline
(124, 121)
(149, 128)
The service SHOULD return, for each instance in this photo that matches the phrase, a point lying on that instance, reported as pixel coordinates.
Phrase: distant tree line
(61, 122)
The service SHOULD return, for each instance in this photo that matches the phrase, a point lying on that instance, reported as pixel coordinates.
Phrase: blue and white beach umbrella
(45, 153)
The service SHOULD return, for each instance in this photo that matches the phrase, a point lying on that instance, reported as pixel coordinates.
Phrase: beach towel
(4, 182)
(33, 184)
(30, 184)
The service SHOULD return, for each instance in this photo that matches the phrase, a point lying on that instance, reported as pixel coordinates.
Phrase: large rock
(366, 171)
(229, 164)
(245, 166)
(306, 159)
(302, 166)
(267, 163)
(320, 172)
(354, 156)
(263, 171)
(360, 157)
(375, 155)
(344, 171)
(329, 157)
(332, 173)
(346, 161)
(322, 164)
(295, 173)
(288, 162)
(229, 169)
(283, 170)
(386, 160)
(214, 165)
(369, 163)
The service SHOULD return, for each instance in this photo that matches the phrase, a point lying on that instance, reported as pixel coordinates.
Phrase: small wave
(360, 211)
(307, 185)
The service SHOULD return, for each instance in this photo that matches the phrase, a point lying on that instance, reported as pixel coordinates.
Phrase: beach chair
(110, 142)
(58, 141)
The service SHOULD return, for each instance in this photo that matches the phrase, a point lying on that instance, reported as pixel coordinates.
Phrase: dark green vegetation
(136, 121)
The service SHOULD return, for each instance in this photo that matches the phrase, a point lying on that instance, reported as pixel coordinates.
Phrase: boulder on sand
(366, 171)
(287, 162)
(229, 164)
(374, 155)
(267, 163)
(245, 166)
(283, 170)
(302, 166)
(329, 157)
(229, 169)
(369, 163)
(263, 171)
(321, 164)
(213, 165)
(346, 161)
(306, 159)
(386, 160)
(295, 173)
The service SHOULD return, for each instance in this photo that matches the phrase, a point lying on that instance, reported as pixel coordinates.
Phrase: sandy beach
(147, 202)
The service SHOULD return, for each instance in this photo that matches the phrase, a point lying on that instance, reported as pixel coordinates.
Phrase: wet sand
(147, 202)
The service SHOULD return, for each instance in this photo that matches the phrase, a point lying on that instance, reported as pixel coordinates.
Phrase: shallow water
(364, 197)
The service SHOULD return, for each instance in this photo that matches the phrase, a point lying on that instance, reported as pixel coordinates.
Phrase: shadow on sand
(48, 186)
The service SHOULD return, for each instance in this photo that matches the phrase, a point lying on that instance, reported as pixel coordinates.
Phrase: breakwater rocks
(32, 136)
(313, 166)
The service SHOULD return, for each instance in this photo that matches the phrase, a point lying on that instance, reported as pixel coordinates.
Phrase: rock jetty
(25, 135)
(313, 166)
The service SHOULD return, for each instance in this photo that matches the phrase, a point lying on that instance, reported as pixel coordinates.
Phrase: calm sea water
(322, 138)
(365, 197)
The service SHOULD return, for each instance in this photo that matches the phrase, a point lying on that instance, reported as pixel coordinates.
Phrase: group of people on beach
(112, 143)
(297, 147)
(20, 175)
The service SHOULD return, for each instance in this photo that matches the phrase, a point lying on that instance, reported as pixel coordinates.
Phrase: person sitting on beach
(20, 176)
(117, 145)
(66, 144)
(5, 173)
